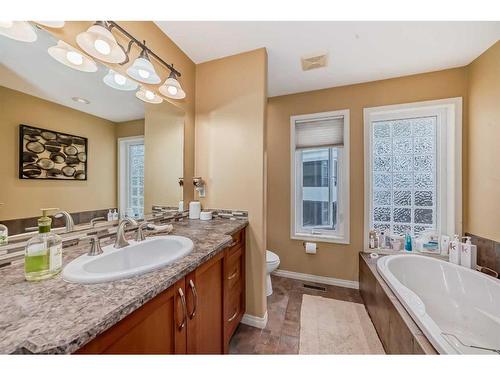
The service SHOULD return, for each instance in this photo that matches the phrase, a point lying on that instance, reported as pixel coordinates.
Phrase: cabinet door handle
(233, 275)
(184, 310)
(195, 296)
(234, 316)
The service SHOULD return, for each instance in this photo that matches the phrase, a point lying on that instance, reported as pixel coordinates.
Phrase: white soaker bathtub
(444, 298)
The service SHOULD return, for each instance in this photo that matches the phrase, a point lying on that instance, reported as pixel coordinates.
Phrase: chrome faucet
(140, 236)
(70, 224)
(120, 232)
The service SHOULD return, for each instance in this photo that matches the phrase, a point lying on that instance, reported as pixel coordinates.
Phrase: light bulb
(6, 24)
(119, 79)
(143, 73)
(74, 58)
(172, 90)
(149, 95)
(102, 46)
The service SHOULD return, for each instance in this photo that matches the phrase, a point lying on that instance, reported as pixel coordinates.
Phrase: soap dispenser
(4, 233)
(468, 255)
(43, 253)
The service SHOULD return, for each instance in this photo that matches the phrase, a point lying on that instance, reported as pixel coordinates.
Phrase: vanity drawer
(238, 238)
(233, 312)
(233, 270)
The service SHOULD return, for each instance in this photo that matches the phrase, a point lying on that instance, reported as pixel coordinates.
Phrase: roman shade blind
(323, 132)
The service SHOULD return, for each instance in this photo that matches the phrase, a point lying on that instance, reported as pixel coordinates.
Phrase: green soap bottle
(43, 253)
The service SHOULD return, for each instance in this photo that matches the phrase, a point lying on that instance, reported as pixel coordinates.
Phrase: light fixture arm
(112, 24)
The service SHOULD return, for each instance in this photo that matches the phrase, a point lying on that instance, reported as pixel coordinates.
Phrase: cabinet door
(155, 328)
(204, 293)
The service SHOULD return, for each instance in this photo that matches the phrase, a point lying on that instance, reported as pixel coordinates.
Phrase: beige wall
(230, 130)
(483, 136)
(24, 198)
(332, 260)
(164, 47)
(163, 163)
(132, 128)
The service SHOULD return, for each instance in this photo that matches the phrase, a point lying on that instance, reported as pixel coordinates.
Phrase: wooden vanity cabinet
(197, 315)
(204, 293)
(155, 328)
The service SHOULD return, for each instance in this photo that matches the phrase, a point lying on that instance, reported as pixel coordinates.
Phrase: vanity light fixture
(148, 96)
(98, 42)
(21, 31)
(171, 88)
(51, 24)
(71, 57)
(119, 81)
(142, 70)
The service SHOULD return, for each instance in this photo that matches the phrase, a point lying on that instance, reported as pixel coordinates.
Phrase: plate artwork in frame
(50, 155)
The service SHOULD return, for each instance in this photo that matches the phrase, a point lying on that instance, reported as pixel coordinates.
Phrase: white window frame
(341, 236)
(448, 160)
(123, 170)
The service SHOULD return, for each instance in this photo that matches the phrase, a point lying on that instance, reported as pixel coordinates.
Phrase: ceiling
(27, 67)
(357, 51)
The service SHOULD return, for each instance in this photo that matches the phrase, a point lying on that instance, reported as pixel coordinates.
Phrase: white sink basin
(132, 260)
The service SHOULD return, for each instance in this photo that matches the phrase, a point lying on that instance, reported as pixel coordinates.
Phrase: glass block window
(403, 167)
(136, 179)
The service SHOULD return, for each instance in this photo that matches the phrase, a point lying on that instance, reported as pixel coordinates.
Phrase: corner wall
(483, 156)
(231, 96)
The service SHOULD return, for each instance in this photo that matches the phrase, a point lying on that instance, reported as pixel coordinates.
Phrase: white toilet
(272, 262)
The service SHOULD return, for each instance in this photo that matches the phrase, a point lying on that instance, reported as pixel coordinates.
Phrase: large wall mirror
(76, 141)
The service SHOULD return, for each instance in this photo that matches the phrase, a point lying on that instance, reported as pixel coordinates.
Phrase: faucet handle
(96, 219)
(95, 245)
(140, 231)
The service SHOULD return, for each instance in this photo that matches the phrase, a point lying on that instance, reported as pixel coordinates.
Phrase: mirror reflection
(78, 138)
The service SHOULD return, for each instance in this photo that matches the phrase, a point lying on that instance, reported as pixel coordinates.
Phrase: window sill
(320, 238)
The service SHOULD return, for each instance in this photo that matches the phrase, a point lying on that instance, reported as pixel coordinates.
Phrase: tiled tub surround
(396, 329)
(488, 252)
(54, 316)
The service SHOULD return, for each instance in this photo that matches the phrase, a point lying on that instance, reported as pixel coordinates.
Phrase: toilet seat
(271, 257)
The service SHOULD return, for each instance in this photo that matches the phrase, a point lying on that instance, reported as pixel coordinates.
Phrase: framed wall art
(51, 155)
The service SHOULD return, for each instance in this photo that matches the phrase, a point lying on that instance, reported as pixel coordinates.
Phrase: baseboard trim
(255, 321)
(317, 279)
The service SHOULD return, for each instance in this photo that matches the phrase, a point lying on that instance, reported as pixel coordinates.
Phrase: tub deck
(395, 327)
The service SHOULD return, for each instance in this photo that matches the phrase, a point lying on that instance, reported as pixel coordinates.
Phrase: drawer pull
(233, 275)
(184, 310)
(195, 296)
(234, 243)
(234, 316)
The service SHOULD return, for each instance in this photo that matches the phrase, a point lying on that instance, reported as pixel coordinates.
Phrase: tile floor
(281, 335)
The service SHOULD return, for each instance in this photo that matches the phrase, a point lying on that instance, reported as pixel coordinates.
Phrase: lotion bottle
(468, 256)
(455, 250)
(110, 215)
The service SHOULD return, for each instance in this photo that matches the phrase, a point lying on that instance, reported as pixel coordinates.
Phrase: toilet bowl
(272, 262)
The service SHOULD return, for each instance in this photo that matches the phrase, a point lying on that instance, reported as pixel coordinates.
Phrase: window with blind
(320, 176)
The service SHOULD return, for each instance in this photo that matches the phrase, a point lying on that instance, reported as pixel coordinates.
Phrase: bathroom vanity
(192, 306)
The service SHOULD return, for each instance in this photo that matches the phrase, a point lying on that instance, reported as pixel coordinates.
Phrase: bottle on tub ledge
(468, 254)
(455, 250)
(408, 244)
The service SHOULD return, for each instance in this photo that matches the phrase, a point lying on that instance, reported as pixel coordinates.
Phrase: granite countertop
(54, 316)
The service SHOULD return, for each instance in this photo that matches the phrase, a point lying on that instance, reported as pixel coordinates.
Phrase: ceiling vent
(314, 62)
